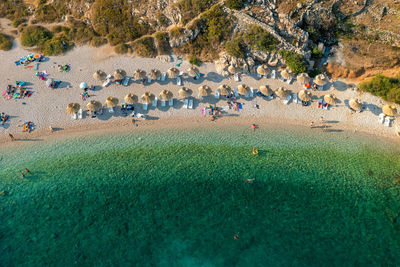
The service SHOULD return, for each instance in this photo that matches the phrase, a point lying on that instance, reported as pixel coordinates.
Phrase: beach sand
(46, 107)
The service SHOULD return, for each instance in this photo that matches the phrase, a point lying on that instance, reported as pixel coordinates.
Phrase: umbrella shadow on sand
(64, 84)
(373, 108)
(213, 77)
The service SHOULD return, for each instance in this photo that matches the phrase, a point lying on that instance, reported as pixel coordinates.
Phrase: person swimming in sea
(255, 151)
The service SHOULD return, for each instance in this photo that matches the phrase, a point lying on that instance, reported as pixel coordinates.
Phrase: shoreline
(187, 123)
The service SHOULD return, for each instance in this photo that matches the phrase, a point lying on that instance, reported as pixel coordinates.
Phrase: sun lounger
(253, 92)
(181, 73)
(258, 76)
(381, 118)
(190, 104)
(273, 74)
(235, 90)
(80, 114)
(289, 81)
(236, 77)
(163, 103)
(179, 81)
(325, 105)
(126, 80)
(185, 103)
(107, 83)
(163, 76)
(320, 88)
(282, 79)
(155, 102)
(287, 100)
(320, 103)
(217, 94)
(74, 117)
(295, 99)
(145, 106)
(270, 97)
(36, 66)
(149, 80)
(388, 120)
(197, 76)
(111, 110)
(171, 102)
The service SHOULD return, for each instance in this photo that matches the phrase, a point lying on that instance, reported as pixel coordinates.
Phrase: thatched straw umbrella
(243, 89)
(130, 99)
(265, 90)
(224, 89)
(305, 95)
(282, 92)
(147, 98)
(263, 70)
(273, 63)
(330, 99)
(173, 73)
(185, 92)
(286, 74)
(232, 69)
(99, 75)
(73, 108)
(154, 74)
(139, 75)
(303, 78)
(321, 80)
(119, 74)
(111, 102)
(204, 90)
(166, 95)
(355, 104)
(93, 105)
(389, 110)
(193, 71)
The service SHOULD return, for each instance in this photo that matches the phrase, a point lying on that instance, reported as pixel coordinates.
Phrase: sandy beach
(46, 107)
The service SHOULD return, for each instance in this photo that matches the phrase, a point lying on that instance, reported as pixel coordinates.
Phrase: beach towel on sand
(203, 111)
(239, 105)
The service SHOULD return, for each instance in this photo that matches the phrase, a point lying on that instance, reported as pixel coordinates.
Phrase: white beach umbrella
(83, 85)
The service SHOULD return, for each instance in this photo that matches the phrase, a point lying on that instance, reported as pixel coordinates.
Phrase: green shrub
(385, 87)
(294, 61)
(195, 61)
(189, 9)
(176, 32)
(235, 4)
(316, 53)
(144, 47)
(6, 42)
(17, 21)
(98, 41)
(162, 44)
(112, 18)
(35, 35)
(259, 39)
(55, 47)
(235, 48)
(162, 19)
(314, 73)
(121, 48)
(218, 24)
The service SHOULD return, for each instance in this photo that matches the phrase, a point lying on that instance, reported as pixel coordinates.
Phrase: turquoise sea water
(178, 198)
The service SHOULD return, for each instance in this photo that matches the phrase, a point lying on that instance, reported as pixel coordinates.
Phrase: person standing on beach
(12, 137)
(311, 124)
(254, 126)
(22, 175)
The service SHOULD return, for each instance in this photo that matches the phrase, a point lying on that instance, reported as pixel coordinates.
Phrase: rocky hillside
(344, 37)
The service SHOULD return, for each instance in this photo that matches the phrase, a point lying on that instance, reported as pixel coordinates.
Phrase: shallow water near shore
(178, 198)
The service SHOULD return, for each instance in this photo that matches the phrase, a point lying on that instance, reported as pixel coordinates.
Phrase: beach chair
(36, 66)
(197, 76)
(236, 77)
(253, 92)
(74, 116)
(259, 76)
(282, 79)
(163, 76)
(163, 103)
(270, 97)
(235, 90)
(381, 118)
(295, 99)
(190, 104)
(126, 80)
(179, 81)
(325, 105)
(287, 100)
(145, 106)
(171, 102)
(320, 103)
(273, 74)
(289, 81)
(155, 102)
(100, 111)
(149, 80)
(80, 114)
(388, 120)
(107, 83)
(217, 94)
(111, 110)
(181, 73)
(185, 103)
